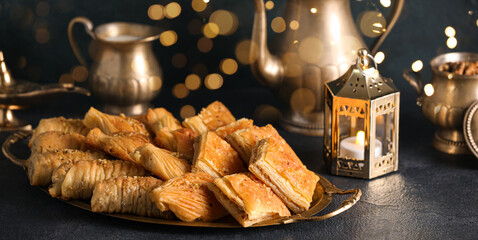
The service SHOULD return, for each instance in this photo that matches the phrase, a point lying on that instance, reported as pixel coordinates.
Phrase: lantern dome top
(362, 80)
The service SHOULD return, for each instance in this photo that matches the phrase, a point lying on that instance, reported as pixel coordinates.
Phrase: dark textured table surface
(432, 196)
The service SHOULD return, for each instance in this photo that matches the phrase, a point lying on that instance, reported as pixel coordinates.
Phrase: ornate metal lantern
(361, 122)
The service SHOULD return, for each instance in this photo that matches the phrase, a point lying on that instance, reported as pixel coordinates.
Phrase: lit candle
(353, 147)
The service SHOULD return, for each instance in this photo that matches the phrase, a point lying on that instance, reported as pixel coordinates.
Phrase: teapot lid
(362, 80)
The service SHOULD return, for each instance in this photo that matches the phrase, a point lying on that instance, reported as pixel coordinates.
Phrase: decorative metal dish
(324, 193)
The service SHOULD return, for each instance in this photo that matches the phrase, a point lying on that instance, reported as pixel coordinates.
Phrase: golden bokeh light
(302, 100)
(40, 23)
(417, 66)
(292, 64)
(42, 9)
(198, 5)
(204, 44)
(66, 80)
(278, 24)
(372, 23)
(42, 35)
(179, 60)
(476, 22)
(195, 26)
(228, 66)
(266, 113)
(155, 83)
(79, 73)
(200, 69)
(172, 10)
(180, 91)
(310, 49)
(168, 38)
(206, 1)
(313, 10)
(451, 42)
(225, 20)
(156, 12)
(243, 51)
(213, 81)
(294, 25)
(210, 30)
(193, 82)
(428, 89)
(187, 110)
(385, 3)
(450, 31)
(269, 5)
(379, 57)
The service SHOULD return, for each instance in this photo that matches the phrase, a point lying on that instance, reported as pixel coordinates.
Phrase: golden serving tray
(323, 195)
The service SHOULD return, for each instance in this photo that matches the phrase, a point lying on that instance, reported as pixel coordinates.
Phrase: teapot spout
(267, 68)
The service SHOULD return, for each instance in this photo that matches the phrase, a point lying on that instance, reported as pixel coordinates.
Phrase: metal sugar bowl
(125, 74)
(361, 122)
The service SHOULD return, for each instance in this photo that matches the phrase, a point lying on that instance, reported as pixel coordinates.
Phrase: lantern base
(294, 122)
(450, 141)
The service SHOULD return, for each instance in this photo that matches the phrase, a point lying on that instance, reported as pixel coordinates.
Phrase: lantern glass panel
(328, 128)
(352, 137)
(384, 131)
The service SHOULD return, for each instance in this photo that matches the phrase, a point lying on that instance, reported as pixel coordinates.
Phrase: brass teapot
(125, 74)
(321, 48)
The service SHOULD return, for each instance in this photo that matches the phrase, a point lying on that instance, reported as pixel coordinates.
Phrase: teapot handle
(392, 19)
(89, 30)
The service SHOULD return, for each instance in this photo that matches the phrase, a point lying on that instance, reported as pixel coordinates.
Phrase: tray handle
(348, 203)
(12, 139)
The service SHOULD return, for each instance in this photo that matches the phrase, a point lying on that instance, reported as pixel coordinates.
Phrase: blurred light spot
(22, 62)
(139, 65)
(278, 25)
(429, 90)
(187, 111)
(156, 12)
(228, 66)
(417, 66)
(269, 5)
(42, 35)
(168, 38)
(225, 20)
(243, 51)
(79, 73)
(179, 60)
(66, 80)
(180, 91)
(213, 81)
(204, 44)
(210, 30)
(470, 12)
(310, 49)
(379, 57)
(40, 23)
(21, 15)
(193, 81)
(172, 10)
(450, 76)
(302, 100)
(451, 42)
(372, 23)
(476, 22)
(313, 10)
(198, 5)
(155, 83)
(294, 24)
(296, 41)
(206, 1)
(42, 9)
(266, 113)
(195, 26)
(450, 31)
(291, 62)
(200, 69)
(385, 3)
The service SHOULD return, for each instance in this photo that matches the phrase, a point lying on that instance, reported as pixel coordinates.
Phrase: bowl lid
(470, 127)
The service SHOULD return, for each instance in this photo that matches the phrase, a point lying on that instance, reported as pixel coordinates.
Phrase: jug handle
(392, 19)
(415, 81)
(89, 30)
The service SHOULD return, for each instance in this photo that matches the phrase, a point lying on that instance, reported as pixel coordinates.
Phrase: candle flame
(360, 139)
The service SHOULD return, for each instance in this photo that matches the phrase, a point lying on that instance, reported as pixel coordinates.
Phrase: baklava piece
(248, 199)
(189, 198)
(215, 115)
(59, 124)
(56, 140)
(242, 123)
(275, 163)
